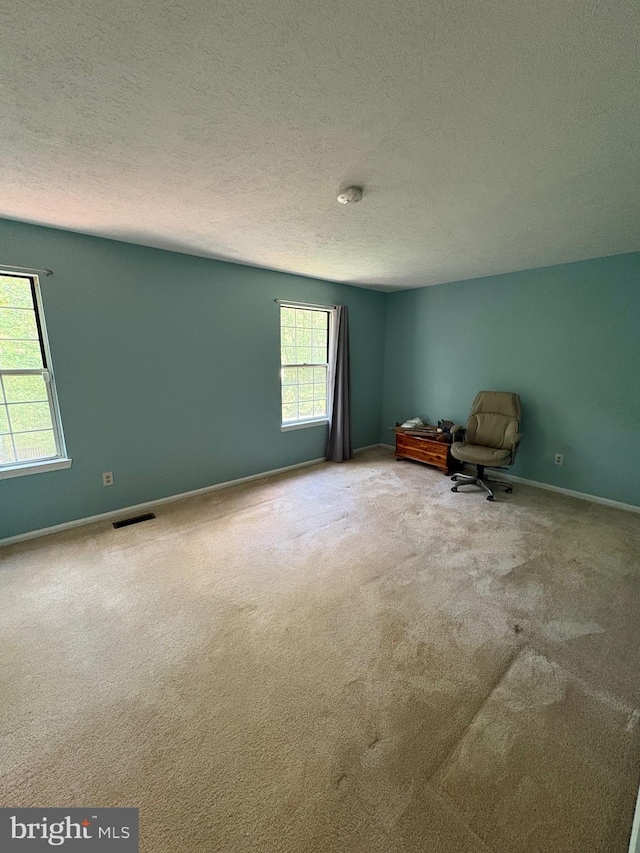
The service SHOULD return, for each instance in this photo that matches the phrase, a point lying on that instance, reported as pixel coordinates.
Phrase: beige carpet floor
(344, 658)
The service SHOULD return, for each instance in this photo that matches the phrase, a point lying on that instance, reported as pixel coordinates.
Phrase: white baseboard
(137, 508)
(583, 496)
(129, 510)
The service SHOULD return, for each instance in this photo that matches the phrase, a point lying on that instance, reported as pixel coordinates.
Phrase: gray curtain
(339, 446)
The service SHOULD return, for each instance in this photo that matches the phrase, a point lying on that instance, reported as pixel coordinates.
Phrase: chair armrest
(457, 431)
(516, 439)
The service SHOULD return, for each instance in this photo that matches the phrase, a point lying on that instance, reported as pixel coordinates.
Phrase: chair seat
(477, 454)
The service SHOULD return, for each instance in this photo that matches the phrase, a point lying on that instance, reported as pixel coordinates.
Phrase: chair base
(480, 480)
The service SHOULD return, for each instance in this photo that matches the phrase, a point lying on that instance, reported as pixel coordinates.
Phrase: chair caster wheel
(508, 491)
(454, 488)
(490, 498)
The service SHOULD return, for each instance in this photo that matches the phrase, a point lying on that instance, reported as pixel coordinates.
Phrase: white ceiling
(489, 135)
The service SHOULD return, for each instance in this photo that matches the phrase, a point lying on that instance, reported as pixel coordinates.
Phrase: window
(30, 432)
(304, 363)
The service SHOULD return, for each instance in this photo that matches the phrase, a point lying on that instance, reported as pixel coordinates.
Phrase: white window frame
(45, 463)
(302, 423)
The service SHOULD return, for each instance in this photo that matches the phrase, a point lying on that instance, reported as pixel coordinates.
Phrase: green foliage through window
(27, 430)
(304, 357)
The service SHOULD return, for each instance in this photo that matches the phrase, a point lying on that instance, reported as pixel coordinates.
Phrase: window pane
(15, 292)
(27, 426)
(288, 337)
(20, 354)
(6, 450)
(320, 391)
(289, 375)
(35, 445)
(287, 316)
(16, 323)
(25, 389)
(306, 409)
(303, 337)
(289, 393)
(304, 342)
(290, 412)
(29, 416)
(306, 392)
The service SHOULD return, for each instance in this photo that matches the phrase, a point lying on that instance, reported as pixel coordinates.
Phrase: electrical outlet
(558, 458)
(107, 478)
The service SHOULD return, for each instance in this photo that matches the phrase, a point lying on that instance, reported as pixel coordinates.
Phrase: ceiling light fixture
(350, 195)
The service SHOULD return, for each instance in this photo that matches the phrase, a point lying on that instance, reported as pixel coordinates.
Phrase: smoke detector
(350, 195)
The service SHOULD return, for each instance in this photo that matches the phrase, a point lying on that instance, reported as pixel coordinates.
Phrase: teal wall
(566, 338)
(167, 368)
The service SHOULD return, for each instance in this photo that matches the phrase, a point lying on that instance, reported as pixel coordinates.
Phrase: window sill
(34, 468)
(303, 425)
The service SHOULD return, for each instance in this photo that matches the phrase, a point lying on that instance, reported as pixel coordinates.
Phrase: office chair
(490, 439)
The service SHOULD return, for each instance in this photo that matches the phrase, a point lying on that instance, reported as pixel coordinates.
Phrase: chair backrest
(494, 419)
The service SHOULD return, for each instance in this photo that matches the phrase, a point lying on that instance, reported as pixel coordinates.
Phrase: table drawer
(425, 449)
(413, 445)
(424, 456)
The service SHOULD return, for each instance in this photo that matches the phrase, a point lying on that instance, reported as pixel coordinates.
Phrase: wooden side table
(424, 448)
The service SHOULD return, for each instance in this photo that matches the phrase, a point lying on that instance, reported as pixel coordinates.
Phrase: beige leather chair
(489, 440)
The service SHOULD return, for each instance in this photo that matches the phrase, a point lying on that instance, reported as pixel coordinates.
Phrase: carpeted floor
(345, 658)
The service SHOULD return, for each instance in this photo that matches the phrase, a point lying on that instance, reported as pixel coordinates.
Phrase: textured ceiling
(489, 136)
